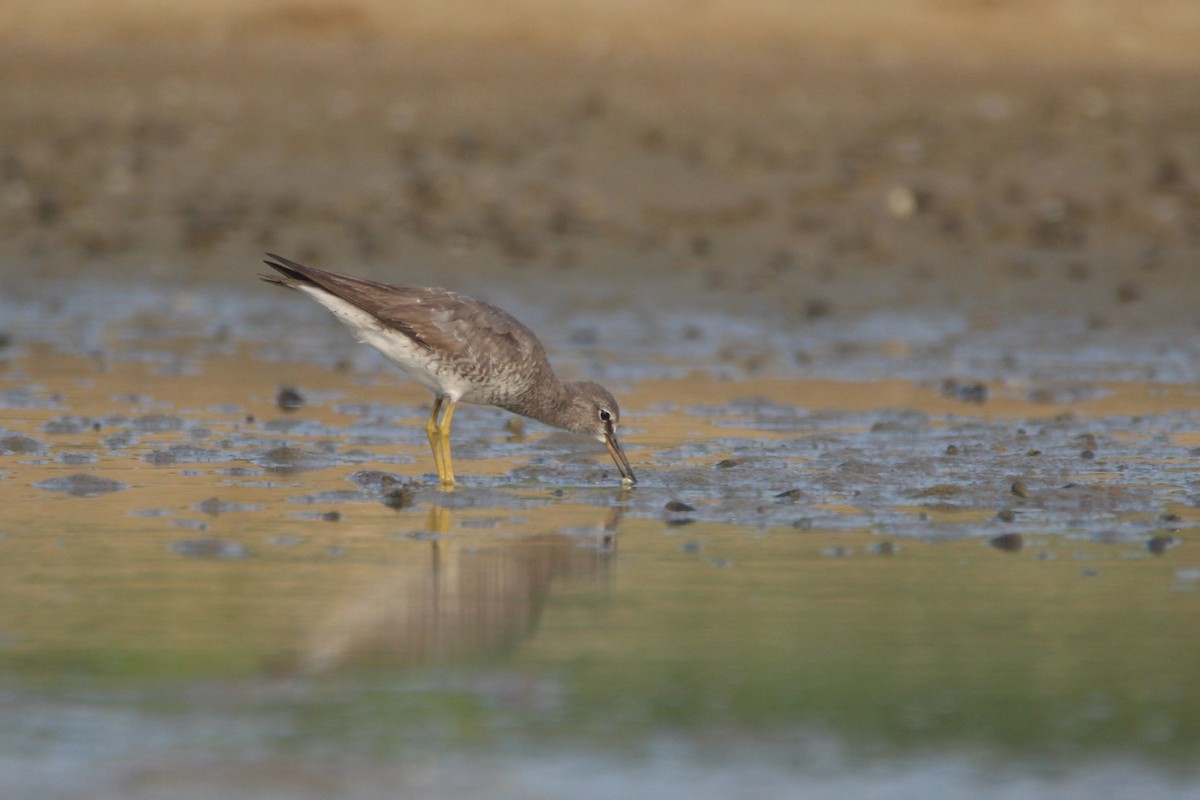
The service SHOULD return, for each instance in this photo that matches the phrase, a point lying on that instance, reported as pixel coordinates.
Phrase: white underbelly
(395, 346)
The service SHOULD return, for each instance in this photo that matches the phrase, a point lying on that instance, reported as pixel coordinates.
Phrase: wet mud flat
(215, 534)
(899, 309)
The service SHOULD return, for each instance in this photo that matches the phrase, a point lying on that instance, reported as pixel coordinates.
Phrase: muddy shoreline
(952, 158)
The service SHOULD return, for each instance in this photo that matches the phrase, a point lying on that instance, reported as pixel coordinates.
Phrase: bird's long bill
(618, 456)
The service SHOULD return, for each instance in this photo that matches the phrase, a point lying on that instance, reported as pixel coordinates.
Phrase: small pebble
(1161, 544)
(399, 498)
(289, 398)
(677, 506)
(1020, 489)
(1008, 542)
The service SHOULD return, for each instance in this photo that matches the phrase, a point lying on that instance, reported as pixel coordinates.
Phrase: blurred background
(817, 158)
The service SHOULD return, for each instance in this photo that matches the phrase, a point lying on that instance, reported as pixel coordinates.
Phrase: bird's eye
(605, 416)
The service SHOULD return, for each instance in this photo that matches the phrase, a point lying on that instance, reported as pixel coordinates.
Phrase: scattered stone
(376, 480)
(81, 485)
(1161, 544)
(289, 398)
(791, 495)
(397, 499)
(332, 516)
(1006, 515)
(19, 444)
(677, 506)
(1020, 489)
(1008, 542)
(726, 463)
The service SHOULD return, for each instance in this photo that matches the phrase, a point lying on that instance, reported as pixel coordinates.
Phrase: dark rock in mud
(375, 480)
(1008, 542)
(82, 485)
(678, 506)
(402, 497)
(19, 444)
(289, 398)
(1161, 544)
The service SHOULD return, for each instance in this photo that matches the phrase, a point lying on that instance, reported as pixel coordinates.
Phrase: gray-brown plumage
(460, 349)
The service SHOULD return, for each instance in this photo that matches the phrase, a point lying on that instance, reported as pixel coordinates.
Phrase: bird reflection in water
(465, 601)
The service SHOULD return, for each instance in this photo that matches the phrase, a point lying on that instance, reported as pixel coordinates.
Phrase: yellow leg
(439, 440)
(447, 475)
(431, 431)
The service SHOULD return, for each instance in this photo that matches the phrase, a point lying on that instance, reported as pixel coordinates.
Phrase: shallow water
(889, 558)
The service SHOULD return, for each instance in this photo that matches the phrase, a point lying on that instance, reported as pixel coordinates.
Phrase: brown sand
(834, 157)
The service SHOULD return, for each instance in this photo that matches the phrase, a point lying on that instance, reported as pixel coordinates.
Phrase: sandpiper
(461, 349)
